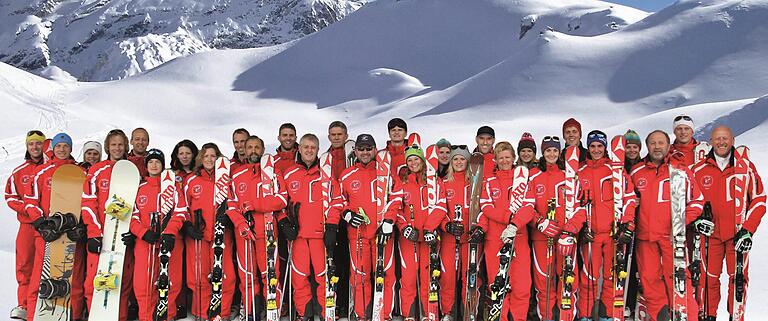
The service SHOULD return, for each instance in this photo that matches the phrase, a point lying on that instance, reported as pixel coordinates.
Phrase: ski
(567, 310)
(349, 150)
(700, 153)
(331, 279)
(740, 197)
(220, 196)
(433, 305)
(475, 187)
(678, 187)
(620, 266)
(383, 172)
(269, 184)
(59, 258)
(551, 215)
(167, 203)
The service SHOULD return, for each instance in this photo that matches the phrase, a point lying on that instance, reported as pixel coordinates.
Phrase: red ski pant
(448, 282)
(601, 261)
(540, 264)
(414, 267)
(307, 253)
(25, 261)
(144, 282)
(519, 295)
(719, 250)
(362, 266)
(78, 274)
(126, 286)
(654, 259)
(199, 263)
(253, 266)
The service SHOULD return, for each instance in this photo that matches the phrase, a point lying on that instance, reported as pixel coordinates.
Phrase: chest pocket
(606, 189)
(663, 192)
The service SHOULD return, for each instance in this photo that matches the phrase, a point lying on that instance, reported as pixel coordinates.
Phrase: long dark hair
(176, 163)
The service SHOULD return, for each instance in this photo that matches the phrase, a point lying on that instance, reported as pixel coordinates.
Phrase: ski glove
(47, 231)
(566, 245)
(167, 242)
(150, 237)
(329, 238)
(624, 233)
(743, 241)
(411, 234)
(38, 223)
(455, 228)
(191, 231)
(509, 233)
(548, 227)
(704, 226)
(293, 210)
(78, 233)
(384, 232)
(289, 229)
(586, 235)
(353, 218)
(245, 232)
(430, 237)
(223, 218)
(476, 235)
(129, 239)
(94, 245)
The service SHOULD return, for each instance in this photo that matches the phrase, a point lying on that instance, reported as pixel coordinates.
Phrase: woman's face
(414, 164)
(209, 159)
(505, 160)
(459, 163)
(154, 167)
(185, 156)
(551, 155)
(527, 155)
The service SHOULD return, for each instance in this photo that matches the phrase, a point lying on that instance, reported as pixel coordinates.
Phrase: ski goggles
(683, 117)
(550, 141)
(35, 136)
(455, 147)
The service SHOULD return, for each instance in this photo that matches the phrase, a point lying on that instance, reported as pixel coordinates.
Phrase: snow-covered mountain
(96, 40)
(447, 67)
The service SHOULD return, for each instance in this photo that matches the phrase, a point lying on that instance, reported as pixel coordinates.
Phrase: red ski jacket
(148, 201)
(248, 194)
(303, 185)
(398, 159)
(654, 221)
(338, 161)
(95, 195)
(718, 190)
(139, 162)
(683, 153)
(413, 194)
(457, 195)
(545, 185)
(17, 185)
(37, 199)
(198, 195)
(494, 204)
(596, 183)
(356, 190)
(285, 159)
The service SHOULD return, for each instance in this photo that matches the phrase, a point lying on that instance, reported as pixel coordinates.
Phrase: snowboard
(167, 205)
(383, 183)
(678, 188)
(220, 195)
(620, 259)
(472, 297)
(567, 308)
(124, 184)
(59, 257)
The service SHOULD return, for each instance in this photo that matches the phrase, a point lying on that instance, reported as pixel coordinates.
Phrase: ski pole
(456, 265)
(416, 266)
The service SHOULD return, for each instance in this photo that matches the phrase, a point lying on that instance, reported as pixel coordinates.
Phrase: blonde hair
(451, 171)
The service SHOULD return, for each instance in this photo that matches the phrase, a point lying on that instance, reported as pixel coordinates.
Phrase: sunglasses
(683, 117)
(455, 147)
(365, 149)
(551, 139)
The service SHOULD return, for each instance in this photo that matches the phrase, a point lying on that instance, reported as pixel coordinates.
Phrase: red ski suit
(653, 234)
(95, 196)
(198, 194)
(18, 183)
(597, 187)
(543, 186)
(147, 255)
(355, 190)
(251, 200)
(397, 153)
(37, 201)
(494, 218)
(303, 184)
(338, 161)
(718, 189)
(409, 200)
(457, 199)
(139, 162)
(683, 153)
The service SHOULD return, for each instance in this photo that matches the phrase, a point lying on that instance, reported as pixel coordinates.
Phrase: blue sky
(646, 5)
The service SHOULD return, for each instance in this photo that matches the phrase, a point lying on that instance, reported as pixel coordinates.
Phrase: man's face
(572, 136)
(596, 150)
(365, 154)
(337, 136)
(485, 143)
(154, 167)
(658, 147)
(238, 141)
(139, 141)
(722, 141)
(35, 149)
(287, 138)
(397, 134)
(505, 160)
(253, 150)
(116, 148)
(632, 151)
(308, 151)
(62, 150)
(683, 134)
(443, 154)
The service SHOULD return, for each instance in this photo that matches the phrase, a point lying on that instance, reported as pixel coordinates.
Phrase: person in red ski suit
(18, 183)
(457, 194)
(139, 143)
(497, 217)
(198, 228)
(572, 137)
(485, 139)
(715, 174)
(147, 250)
(597, 252)
(285, 154)
(654, 227)
(316, 233)
(95, 195)
(37, 203)
(398, 130)
(684, 146)
(354, 200)
(418, 225)
(337, 136)
(183, 165)
(251, 201)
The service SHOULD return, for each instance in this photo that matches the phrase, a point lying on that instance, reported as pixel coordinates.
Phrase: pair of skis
(475, 173)
(167, 204)
(566, 297)
(220, 196)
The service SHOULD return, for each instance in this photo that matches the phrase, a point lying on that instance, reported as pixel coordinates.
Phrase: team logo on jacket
(25, 179)
(241, 187)
(407, 196)
(104, 183)
(585, 184)
(449, 193)
(197, 190)
(540, 189)
(495, 192)
(355, 185)
(641, 183)
(179, 179)
(706, 182)
(142, 200)
(294, 185)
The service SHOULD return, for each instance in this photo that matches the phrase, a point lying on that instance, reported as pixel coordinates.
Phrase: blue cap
(61, 138)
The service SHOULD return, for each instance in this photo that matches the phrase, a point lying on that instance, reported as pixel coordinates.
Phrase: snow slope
(446, 66)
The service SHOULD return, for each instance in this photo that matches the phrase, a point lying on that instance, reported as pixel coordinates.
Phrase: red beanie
(571, 122)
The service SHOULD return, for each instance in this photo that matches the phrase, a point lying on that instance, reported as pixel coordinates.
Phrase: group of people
(349, 230)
